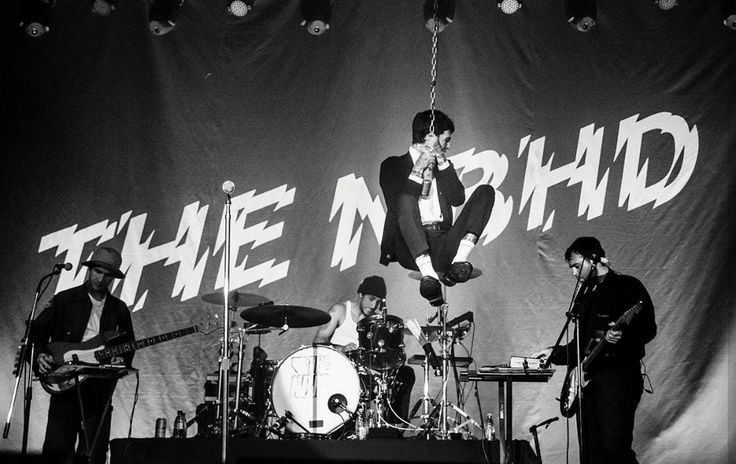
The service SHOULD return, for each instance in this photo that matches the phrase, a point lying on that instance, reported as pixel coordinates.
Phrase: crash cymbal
(236, 299)
(285, 315)
(416, 275)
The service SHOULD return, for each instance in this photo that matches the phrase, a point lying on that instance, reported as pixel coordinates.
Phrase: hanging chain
(433, 82)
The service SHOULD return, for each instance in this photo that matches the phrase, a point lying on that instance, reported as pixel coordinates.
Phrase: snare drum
(381, 342)
(318, 386)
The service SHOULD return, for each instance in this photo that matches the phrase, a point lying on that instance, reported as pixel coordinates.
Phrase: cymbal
(460, 361)
(416, 275)
(236, 299)
(290, 315)
(431, 332)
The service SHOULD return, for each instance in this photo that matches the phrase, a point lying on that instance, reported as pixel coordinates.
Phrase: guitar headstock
(208, 324)
(628, 315)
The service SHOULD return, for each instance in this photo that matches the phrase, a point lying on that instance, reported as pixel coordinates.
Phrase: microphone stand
(573, 314)
(225, 352)
(26, 352)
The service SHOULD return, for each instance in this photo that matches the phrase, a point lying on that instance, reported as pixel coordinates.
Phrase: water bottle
(180, 425)
(361, 429)
(490, 431)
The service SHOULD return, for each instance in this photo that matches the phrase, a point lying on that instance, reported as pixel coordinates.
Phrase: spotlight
(316, 14)
(445, 14)
(36, 16)
(104, 7)
(581, 14)
(729, 14)
(666, 4)
(509, 6)
(162, 15)
(239, 8)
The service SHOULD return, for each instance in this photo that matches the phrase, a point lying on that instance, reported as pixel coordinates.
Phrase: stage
(199, 450)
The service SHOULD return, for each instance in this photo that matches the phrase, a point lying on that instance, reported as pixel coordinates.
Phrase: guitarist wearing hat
(616, 318)
(77, 315)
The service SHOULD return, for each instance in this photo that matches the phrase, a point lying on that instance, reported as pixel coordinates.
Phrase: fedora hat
(108, 259)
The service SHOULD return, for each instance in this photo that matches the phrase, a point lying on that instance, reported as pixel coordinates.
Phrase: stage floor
(209, 450)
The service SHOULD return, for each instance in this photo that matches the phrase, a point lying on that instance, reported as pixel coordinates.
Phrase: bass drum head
(318, 386)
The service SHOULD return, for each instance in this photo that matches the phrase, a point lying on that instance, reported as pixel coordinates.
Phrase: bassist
(615, 383)
(77, 315)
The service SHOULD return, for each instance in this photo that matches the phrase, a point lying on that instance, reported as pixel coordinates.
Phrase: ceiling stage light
(445, 14)
(581, 14)
(36, 16)
(509, 6)
(239, 8)
(316, 15)
(162, 15)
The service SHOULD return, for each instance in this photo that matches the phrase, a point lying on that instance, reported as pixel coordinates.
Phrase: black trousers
(64, 427)
(609, 404)
(401, 394)
(441, 244)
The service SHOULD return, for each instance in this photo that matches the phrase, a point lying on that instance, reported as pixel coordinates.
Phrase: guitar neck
(593, 353)
(124, 348)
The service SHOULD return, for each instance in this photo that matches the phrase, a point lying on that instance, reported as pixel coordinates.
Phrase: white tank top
(347, 332)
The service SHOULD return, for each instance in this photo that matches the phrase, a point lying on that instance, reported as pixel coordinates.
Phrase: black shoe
(431, 289)
(446, 279)
(460, 271)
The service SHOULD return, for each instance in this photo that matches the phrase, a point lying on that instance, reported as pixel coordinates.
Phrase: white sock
(424, 263)
(463, 250)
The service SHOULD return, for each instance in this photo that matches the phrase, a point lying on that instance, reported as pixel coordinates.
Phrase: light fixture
(316, 15)
(36, 16)
(239, 8)
(509, 6)
(666, 4)
(581, 14)
(729, 13)
(445, 14)
(104, 7)
(162, 15)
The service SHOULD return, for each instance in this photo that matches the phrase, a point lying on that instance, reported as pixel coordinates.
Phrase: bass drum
(318, 386)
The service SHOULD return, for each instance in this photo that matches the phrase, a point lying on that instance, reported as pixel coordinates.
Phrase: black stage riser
(240, 451)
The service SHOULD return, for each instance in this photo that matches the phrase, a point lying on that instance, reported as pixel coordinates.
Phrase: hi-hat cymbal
(236, 299)
(285, 315)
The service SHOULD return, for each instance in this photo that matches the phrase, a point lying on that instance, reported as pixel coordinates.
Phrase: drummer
(342, 333)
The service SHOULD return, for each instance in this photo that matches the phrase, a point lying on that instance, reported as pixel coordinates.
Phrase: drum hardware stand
(242, 340)
(290, 417)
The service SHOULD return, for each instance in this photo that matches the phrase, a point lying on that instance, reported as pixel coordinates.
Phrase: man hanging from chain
(420, 188)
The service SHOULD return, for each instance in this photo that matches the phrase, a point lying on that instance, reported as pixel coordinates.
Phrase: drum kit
(316, 391)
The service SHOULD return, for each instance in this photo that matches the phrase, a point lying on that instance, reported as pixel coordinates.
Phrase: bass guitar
(94, 352)
(569, 393)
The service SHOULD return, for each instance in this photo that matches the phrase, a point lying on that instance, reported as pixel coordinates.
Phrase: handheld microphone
(58, 267)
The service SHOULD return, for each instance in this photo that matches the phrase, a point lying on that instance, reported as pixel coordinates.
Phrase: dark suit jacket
(394, 179)
(65, 319)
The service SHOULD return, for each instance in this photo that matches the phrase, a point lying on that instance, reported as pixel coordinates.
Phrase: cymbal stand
(444, 435)
(242, 340)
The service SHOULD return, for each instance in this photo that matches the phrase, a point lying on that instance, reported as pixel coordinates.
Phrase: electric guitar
(569, 393)
(94, 352)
